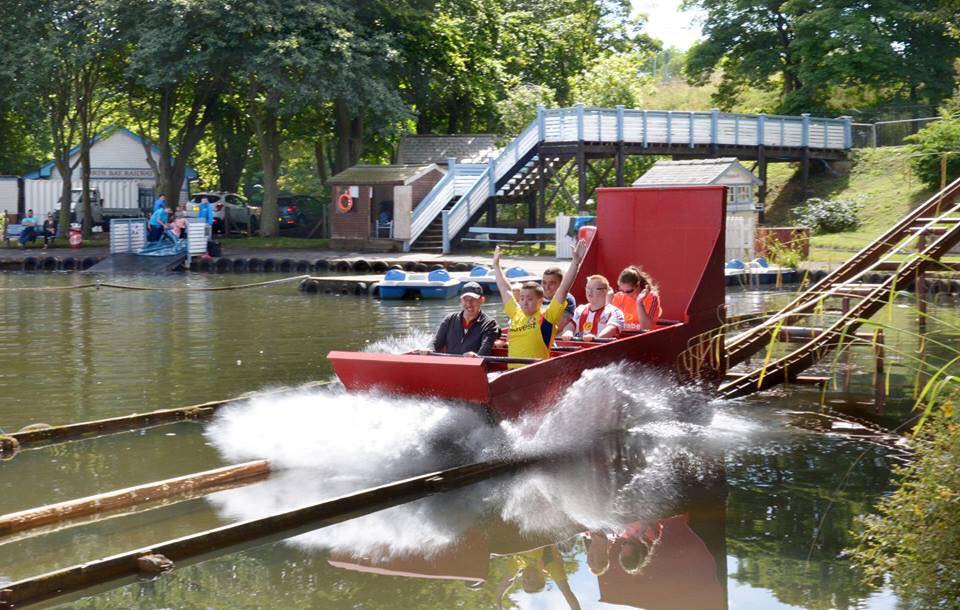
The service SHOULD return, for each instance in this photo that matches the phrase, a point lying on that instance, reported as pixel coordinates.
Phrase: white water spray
(324, 443)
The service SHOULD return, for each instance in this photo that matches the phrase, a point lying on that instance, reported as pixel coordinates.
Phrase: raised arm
(578, 253)
(502, 284)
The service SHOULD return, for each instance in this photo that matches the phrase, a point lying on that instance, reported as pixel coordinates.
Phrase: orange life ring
(345, 202)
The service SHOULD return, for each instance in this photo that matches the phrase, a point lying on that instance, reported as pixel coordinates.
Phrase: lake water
(691, 503)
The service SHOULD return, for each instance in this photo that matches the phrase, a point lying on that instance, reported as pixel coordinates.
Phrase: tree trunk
(320, 154)
(341, 120)
(231, 137)
(63, 168)
(85, 186)
(268, 137)
(356, 139)
(169, 168)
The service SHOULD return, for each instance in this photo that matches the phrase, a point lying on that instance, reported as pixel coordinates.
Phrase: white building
(118, 168)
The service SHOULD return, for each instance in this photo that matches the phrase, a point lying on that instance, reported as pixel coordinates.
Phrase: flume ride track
(938, 216)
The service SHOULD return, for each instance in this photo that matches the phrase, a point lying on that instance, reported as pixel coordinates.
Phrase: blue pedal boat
(437, 284)
(484, 276)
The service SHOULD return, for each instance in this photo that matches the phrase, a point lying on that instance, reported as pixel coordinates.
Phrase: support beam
(581, 178)
(762, 191)
(620, 163)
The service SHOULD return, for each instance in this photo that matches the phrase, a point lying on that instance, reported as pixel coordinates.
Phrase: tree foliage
(915, 537)
(808, 49)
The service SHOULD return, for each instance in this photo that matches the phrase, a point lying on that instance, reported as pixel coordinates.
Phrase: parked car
(290, 213)
(230, 211)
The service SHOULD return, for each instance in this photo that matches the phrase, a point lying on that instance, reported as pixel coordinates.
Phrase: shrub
(915, 537)
(930, 145)
(827, 215)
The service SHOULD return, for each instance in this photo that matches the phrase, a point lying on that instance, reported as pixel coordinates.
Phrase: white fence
(681, 128)
(127, 235)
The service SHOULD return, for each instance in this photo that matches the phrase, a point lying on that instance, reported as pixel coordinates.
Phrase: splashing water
(361, 436)
(415, 339)
(634, 430)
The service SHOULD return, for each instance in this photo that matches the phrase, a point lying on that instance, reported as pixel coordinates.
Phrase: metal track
(870, 298)
(751, 341)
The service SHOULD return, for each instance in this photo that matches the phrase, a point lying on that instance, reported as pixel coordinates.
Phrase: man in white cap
(468, 332)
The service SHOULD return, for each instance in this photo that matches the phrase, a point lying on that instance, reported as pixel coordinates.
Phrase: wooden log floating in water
(58, 434)
(255, 532)
(131, 496)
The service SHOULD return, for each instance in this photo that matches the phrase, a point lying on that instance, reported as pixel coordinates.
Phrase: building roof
(382, 174)
(47, 169)
(695, 171)
(465, 148)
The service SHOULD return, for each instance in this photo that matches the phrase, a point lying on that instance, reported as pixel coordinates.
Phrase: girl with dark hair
(638, 297)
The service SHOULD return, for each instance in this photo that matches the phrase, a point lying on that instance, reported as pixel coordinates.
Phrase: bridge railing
(643, 127)
(681, 128)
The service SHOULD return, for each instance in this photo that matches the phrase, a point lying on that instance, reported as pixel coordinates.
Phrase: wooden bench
(12, 232)
(551, 231)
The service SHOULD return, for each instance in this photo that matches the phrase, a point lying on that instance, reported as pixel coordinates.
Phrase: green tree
(612, 80)
(179, 65)
(935, 152)
(900, 50)
(519, 107)
(915, 537)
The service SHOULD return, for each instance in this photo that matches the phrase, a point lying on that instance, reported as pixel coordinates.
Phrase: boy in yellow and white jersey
(531, 331)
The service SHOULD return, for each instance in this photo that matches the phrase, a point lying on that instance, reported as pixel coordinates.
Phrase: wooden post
(581, 178)
(879, 379)
(59, 434)
(131, 496)
(805, 171)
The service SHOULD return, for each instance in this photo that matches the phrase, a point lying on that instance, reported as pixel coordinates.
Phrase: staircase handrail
(485, 186)
(428, 209)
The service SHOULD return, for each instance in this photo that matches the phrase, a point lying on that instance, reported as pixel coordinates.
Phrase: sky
(667, 22)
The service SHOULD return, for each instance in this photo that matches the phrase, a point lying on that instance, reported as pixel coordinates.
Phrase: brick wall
(354, 224)
(425, 184)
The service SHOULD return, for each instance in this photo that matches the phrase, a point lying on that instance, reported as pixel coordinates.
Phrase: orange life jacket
(628, 304)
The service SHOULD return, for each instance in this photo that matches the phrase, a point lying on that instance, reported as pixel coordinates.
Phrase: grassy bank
(879, 180)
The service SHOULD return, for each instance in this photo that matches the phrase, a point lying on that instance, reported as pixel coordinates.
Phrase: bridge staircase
(912, 247)
(560, 134)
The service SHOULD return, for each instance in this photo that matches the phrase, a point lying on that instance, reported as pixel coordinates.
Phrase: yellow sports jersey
(531, 336)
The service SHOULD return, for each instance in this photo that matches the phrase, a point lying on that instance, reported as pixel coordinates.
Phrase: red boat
(676, 234)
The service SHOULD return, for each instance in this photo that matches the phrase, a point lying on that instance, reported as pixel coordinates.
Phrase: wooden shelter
(372, 205)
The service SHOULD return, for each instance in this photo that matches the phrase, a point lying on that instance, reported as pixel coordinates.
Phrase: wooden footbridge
(593, 144)
(907, 251)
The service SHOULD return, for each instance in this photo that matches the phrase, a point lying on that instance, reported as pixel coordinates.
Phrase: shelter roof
(694, 171)
(465, 148)
(382, 174)
(47, 169)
